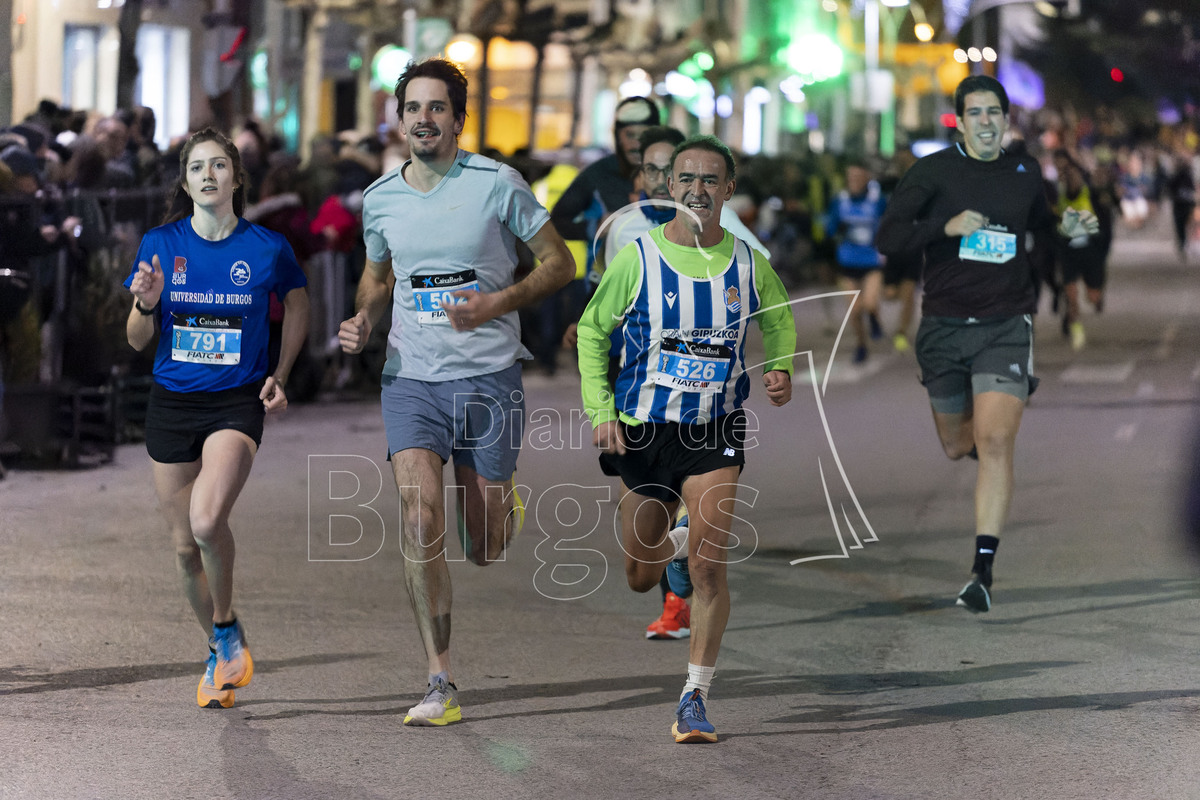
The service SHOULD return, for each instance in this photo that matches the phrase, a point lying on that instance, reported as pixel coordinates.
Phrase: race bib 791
(202, 338)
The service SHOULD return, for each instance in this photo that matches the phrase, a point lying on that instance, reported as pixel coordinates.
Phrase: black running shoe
(975, 596)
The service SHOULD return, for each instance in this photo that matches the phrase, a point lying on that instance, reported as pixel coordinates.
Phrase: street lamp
(388, 64)
(465, 50)
(922, 29)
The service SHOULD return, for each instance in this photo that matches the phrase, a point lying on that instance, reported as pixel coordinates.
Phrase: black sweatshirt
(603, 178)
(1008, 191)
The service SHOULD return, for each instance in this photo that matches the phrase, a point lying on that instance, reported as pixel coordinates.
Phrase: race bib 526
(692, 366)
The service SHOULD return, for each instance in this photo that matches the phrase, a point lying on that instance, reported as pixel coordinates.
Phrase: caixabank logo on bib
(203, 321)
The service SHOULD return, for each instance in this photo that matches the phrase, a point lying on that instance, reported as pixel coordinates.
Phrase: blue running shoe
(876, 328)
(677, 568)
(691, 724)
(235, 668)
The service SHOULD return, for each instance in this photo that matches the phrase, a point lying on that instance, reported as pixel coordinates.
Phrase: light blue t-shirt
(461, 234)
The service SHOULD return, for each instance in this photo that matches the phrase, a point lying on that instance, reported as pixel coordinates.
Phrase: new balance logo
(729, 451)
(670, 298)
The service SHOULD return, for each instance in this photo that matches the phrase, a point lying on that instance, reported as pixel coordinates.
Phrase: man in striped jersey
(681, 298)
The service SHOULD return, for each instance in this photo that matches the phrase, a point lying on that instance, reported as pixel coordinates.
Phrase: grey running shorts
(961, 358)
(479, 421)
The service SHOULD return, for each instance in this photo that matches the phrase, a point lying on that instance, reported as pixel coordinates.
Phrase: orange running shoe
(675, 622)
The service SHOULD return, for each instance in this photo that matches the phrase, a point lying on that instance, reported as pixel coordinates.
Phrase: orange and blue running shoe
(235, 668)
(207, 693)
(675, 622)
(678, 577)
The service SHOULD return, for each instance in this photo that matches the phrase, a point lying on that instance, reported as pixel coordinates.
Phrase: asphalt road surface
(846, 671)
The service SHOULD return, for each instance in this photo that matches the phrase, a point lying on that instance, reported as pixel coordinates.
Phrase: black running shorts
(659, 456)
(177, 423)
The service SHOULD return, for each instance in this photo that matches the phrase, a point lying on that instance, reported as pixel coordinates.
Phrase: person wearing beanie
(35, 136)
(599, 190)
(22, 164)
(608, 180)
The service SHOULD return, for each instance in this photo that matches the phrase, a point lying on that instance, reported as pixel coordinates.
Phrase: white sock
(698, 678)
(679, 539)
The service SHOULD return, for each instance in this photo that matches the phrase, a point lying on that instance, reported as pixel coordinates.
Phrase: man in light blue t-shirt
(443, 226)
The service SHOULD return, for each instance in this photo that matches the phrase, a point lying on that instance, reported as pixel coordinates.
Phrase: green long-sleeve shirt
(618, 290)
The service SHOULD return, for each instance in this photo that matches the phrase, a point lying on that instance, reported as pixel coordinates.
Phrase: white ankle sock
(679, 539)
(698, 678)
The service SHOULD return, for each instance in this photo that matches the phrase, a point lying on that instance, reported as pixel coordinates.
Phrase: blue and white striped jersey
(682, 340)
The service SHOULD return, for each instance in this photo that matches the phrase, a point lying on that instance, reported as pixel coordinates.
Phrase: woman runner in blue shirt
(211, 389)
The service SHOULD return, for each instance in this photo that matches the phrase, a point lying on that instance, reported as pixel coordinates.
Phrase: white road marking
(1163, 351)
(1098, 373)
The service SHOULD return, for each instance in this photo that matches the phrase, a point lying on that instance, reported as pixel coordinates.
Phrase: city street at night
(847, 674)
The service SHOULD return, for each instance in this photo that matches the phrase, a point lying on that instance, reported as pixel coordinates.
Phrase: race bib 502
(432, 294)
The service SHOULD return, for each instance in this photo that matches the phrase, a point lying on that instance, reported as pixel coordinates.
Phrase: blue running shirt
(680, 315)
(854, 221)
(213, 316)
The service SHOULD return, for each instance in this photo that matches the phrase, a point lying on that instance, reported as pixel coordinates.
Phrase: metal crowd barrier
(76, 418)
(54, 416)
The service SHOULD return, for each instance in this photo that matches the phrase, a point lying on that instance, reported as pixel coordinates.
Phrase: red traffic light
(1117, 75)
(949, 120)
